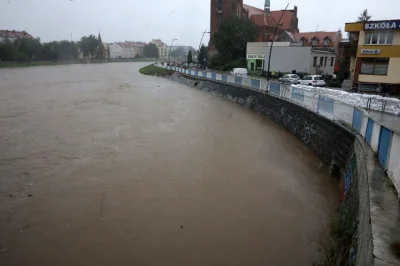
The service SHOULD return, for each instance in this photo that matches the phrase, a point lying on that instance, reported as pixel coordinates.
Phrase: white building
(116, 51)
(126, 50)
(287, 58)
(13, 35)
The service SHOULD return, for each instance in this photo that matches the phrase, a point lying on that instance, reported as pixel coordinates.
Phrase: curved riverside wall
(333, 143)
(381, 135)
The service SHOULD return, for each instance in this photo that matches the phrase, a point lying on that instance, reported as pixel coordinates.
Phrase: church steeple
(267, 6)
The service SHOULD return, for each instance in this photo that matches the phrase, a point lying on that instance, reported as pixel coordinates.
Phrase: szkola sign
(382, 25)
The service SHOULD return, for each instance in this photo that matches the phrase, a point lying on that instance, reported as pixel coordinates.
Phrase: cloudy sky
(120, 20)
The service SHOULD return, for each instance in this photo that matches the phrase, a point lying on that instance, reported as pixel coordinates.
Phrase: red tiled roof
(263, 20)
(320, 35)
(15, 34)
(253, 10)
(286, 20)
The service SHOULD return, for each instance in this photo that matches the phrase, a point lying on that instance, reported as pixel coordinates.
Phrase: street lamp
(198, 55)
(169, 54)
(272, 42)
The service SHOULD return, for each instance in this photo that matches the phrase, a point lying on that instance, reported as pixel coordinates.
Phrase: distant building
(162, 48)
(116, 51)
(13, 35)
(375, 59)
(319, 38)
(288, 58)
(126, 50)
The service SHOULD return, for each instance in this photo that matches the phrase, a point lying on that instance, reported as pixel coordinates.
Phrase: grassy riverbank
(153, 70)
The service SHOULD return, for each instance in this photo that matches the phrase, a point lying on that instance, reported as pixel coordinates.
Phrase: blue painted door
(383, 147)
(357, 120)
(368, 134)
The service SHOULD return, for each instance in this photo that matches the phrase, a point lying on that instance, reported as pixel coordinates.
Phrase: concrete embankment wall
(334, 144)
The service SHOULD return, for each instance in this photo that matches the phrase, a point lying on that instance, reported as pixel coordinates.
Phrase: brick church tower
(221, 9)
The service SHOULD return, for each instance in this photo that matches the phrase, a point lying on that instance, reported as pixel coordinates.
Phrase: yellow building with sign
(375, 64)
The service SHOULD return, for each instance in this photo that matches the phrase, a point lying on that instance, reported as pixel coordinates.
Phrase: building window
(315, 61)
(304, 42)
(326, 59)
(374, 66)
(219, 6)
(379, 37)
(326, 42)
(332, 61)
(321, 61)
(314, 42)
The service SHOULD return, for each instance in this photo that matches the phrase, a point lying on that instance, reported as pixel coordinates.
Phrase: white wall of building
(115, 51)
(376, 130)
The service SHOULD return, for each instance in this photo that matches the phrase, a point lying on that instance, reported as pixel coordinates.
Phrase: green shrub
(335, 83)
(238, 63)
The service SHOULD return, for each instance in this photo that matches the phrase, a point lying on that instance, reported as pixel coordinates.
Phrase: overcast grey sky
(138, 20)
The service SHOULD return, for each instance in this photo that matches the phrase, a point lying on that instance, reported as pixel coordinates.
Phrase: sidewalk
(384, 210)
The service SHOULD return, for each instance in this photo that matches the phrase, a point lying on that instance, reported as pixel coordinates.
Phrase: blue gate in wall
(275, 88)
(368, 133)
(190, 72)
(255, 83)
(213, 76)
(238, 80)
(297, 95)
(224, 78)
(325, 104)
(196, 73)
(357, 120)
(383, 147)
(204, 74)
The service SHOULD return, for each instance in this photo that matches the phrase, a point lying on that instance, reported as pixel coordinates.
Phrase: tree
(190, 57)
(100, 50)
(88, 45)
(364, 16)
(203, 54)
(151, 51)
(233, 35)
(8, 51)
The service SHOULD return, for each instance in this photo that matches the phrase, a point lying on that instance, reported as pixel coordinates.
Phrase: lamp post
(272, 42)
(169, 54)
(198, 55)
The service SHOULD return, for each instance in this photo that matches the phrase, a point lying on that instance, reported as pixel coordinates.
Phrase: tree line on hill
(25, 49)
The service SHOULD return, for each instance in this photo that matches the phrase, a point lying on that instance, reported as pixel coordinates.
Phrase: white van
(241, 72)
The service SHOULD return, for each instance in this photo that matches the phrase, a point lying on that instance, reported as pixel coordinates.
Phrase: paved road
(100, 165)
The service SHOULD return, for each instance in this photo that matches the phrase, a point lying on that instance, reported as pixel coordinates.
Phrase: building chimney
(295, 10)
(267, 6)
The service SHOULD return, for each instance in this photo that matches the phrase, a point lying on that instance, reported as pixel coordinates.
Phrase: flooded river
(100, 165)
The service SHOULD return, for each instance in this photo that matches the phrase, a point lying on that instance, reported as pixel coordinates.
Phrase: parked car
(312, 80)
(242, 72)
(290, 78)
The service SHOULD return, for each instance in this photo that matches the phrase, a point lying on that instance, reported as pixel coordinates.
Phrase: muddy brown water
(100, 165)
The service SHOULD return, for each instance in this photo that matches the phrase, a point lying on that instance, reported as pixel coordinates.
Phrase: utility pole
(198, 55)
(169, 54)
(272, 42)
